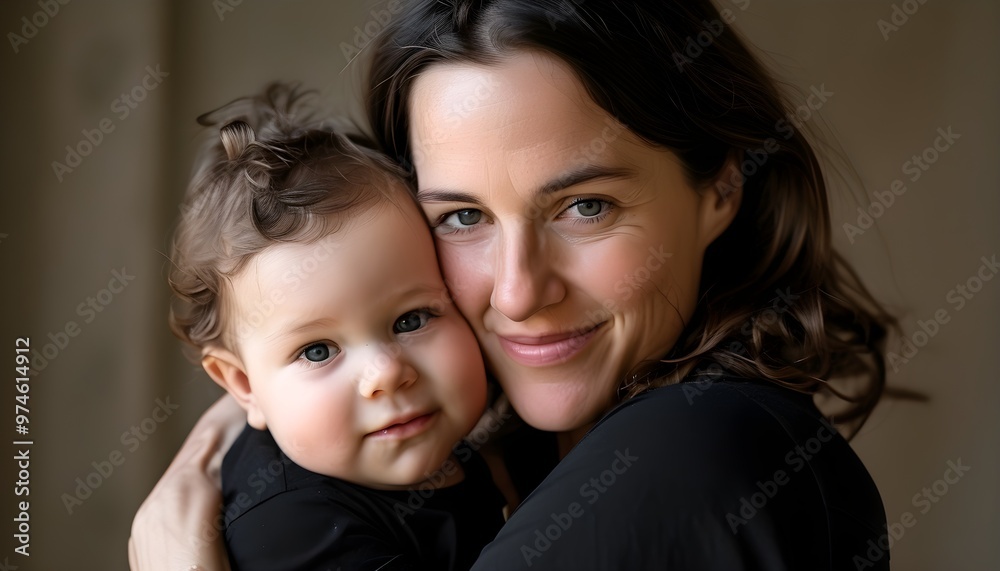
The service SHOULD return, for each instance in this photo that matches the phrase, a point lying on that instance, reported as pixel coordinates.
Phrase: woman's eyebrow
(572, 177)
(582, 174)
(446, 195)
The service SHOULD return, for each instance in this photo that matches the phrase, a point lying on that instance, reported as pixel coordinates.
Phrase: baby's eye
(319, 352)
(412, 321)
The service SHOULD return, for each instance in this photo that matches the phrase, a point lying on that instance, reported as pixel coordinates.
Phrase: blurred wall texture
(120, 83)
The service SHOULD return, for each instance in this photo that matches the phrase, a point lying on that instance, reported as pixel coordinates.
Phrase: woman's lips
(404, 429)
(546, 349)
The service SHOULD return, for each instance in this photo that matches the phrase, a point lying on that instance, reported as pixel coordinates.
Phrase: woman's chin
(557, 408)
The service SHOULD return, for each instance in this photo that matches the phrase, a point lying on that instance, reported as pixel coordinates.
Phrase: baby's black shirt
(279, 515)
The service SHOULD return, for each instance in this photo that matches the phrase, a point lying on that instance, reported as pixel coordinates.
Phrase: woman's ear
(720, 201)
(227, 370)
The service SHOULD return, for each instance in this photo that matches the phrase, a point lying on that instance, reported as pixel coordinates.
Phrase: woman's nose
(385, 371)
(524, 281)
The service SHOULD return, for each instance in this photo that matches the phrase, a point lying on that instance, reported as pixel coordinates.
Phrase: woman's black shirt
(727, 474)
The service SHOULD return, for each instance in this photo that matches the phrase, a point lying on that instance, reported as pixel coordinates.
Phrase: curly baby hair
(273, 174)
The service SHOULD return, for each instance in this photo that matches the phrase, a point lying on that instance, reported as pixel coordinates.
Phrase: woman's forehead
(528, 114)
(516, 93)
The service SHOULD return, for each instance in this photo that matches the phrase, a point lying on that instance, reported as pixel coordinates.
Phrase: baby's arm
(174, 528)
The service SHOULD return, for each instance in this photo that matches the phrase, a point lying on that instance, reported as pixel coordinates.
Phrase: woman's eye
(460, 218)
(318, 352)
(588, 208)
(411, 321)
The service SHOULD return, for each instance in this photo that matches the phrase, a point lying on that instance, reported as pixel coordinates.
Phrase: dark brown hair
(271, 174)
(711, 105)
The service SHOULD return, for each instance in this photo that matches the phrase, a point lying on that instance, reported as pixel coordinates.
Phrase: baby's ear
(227, 370)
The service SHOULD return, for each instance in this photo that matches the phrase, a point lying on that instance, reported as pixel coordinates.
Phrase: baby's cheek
(468, 276)
(455, 373)
(463, 366)
(317, 440)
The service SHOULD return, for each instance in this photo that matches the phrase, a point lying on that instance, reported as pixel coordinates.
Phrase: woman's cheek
(613, 272)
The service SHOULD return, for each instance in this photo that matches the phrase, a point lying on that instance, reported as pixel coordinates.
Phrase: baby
(305, 277)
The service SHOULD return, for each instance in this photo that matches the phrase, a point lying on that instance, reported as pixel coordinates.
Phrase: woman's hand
(178, 527)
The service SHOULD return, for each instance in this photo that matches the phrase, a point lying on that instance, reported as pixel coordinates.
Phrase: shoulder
(692, 399)
(259, 480)
(729, 473)
(255, 470)
(279, 515)
(320, 525)
(733, 411)
(726, 430)
(733, 443)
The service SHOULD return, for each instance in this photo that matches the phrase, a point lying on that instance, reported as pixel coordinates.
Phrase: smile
(547, 349)
(404, 428)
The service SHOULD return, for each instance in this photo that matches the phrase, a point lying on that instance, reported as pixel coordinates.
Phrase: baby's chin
(426, 460)
(426, 473)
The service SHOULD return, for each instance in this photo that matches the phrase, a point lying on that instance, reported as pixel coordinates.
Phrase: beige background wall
(61, 241)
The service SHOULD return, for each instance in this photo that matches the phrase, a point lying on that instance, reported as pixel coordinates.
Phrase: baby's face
(358, 363)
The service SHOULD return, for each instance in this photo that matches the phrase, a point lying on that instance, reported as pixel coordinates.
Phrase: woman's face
(572, 247)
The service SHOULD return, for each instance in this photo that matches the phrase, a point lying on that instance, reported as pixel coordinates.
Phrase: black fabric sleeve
(686, 478)
(307, 529)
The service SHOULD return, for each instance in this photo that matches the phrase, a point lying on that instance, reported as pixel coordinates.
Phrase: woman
(638, 234)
